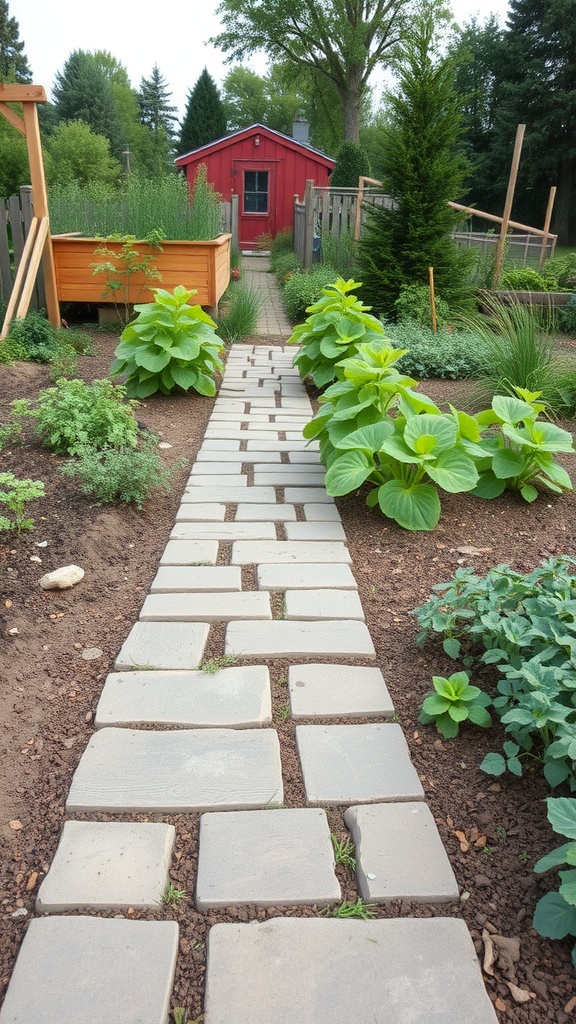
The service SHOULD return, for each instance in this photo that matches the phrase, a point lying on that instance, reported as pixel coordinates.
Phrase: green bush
(241, 306)
(283, 241)
(34, 336)
(568, 317)
(351, 163)
(73, 415)
(301, 290)
(171, 344)
(446, 355)
(120, 474)
(413, 303)
(563, 270)
(16, 494)
(522, 279)
(285, 265)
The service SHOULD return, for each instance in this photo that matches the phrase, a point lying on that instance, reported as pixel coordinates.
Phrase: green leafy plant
(524, 626)
(521, 279)
(520, 451)
(16, 494)
(170, 344)
(34, 337)
(348, 909)
(241, 307)
(302, 289)
(64, 364)
(444, 355)
(121, 266)
(344, 852)
(213, 665)
(413, 304)
(121, 474)
(555, 913)
(337, 325)
(172, 895)
(73, 415)
(454, 701)
(568, 316)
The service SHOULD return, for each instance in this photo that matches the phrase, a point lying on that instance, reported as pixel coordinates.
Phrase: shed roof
(246, 133)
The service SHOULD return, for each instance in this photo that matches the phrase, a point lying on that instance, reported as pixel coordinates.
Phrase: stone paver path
(258, 551)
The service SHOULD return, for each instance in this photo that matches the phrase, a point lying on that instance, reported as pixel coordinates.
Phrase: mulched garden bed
(51, 687)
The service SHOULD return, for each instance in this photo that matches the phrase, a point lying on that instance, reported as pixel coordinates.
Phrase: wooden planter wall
(204, 266)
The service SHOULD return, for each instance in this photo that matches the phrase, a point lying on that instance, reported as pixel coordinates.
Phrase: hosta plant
(453, 701)
(338, 323)
(520, 448)
(170, 344)
(555, 914)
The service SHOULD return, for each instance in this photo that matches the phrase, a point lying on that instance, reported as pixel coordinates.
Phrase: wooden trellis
(38, 246)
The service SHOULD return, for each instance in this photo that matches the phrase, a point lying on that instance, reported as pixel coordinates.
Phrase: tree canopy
(82, 91)
(342, 41)
(14, 65)
(204, 120)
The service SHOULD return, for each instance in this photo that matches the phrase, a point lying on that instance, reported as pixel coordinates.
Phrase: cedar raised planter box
(204, 266)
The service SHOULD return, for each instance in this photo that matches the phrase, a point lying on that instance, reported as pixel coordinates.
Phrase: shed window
(255, 191)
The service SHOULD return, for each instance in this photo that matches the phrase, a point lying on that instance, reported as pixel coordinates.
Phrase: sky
(142, 33)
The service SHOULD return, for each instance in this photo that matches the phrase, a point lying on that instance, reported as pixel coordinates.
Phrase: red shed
(266, 170)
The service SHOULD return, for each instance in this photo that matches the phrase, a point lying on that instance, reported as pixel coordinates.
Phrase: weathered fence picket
(16, 215)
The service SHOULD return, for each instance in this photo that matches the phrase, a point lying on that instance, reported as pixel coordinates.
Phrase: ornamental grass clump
(171, 344)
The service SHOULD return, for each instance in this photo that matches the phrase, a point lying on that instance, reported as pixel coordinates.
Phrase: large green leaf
(479, 716)
(562, 815)
(429, 433)
(553, 917)
(489, 486)
(187, 348)
(507, 463)
(453, 472)
(415, 507)
(348, 472)
(512, 410)
(369, 438)
(184, 376)
(398, 449)
(568, 887)
(349, 330)
(151, 359)
(205, 385)
(554, 858)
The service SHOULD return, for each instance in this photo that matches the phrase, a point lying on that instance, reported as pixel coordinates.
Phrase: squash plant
(337, 325)
(170, 344)
(520, 448)
(555, 914)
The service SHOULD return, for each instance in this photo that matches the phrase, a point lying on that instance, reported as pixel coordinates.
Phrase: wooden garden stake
(432, 297)
(551, 199)
(508, 204)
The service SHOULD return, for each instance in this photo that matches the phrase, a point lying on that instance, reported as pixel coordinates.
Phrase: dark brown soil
(49, 691)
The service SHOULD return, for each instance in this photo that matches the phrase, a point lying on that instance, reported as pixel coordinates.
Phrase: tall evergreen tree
(14, 65)
(82, 92)
(423, 171)
(154, 105)
(539, 90)
(204, 120)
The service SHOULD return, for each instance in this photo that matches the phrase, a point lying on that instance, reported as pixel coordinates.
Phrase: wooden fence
(16, 215)
(329, 212)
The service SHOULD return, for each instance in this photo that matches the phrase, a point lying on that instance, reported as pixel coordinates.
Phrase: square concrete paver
(295, 639)
(338, 691)
(347, 764)
(108, 865)
(230, 698)
(323, 604)
(73, 969)
(305, 576)
(399, 854)
(314, 971)
(186, 770)
(265, 857)
(190, 552)
(210, 607)
(175, 645)
(198, 578)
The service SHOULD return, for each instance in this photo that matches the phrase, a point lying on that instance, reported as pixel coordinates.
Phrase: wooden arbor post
(38, 248)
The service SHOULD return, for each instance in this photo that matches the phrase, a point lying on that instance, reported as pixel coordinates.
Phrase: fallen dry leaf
(15, 825)
(469, 549)
(500, 1005)
(481, 842)
(464, 844)
(488, 952)
(449, 822)
(32, 881)
(570, 1005)
(519, 995)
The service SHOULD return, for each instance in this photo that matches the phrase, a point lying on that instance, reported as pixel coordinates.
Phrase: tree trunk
(351, 95)
(561, 225)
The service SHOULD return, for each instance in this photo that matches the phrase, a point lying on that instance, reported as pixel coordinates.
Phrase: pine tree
(423, 171)
(153, 102)
(14, 65)
(82, 92)
(204, 120)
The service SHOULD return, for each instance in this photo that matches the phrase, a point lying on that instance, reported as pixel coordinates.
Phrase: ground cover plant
(495, 829)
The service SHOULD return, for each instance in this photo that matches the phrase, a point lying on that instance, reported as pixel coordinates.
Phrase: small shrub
(283, 241)
(522, 279)
(120, 474)
(34, 337)
(413, 303)
(351, 163)
(64, 365)
(242, 307)
(568, 317)
(301, 290)
(446, 355)
(16, 494)
(285, 265)
(122, 265)
(73, 415)
(170, 344)
(563, 270)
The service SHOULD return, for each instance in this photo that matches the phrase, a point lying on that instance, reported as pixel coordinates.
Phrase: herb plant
(73, 415)
(555, 914)
(170, 344)
(454, 701)
(121, 265)
(120, 474)
(16, 494)
(338, 323)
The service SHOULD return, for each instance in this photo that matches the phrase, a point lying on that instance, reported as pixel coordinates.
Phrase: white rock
(61, 579)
